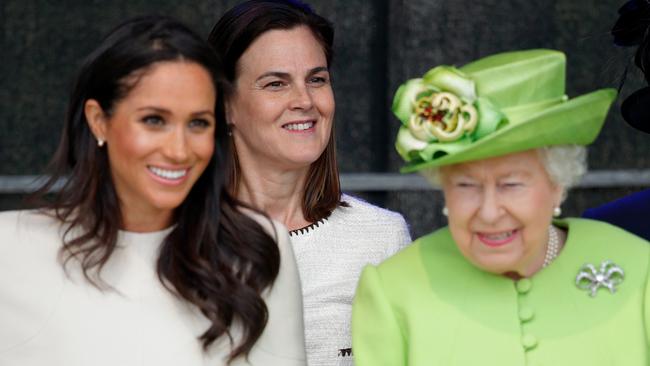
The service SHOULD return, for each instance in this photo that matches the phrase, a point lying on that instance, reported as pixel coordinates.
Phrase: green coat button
(526, 313)
(524, 285)
(529, 341)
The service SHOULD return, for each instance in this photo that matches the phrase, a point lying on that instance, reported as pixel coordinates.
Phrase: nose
(176, 147)
(302, 98)
(491, 209)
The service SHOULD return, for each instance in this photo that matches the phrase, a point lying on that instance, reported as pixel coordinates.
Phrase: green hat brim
(574, 122)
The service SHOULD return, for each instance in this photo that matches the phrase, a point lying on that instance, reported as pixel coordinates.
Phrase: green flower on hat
(441, 112)
(499, 104)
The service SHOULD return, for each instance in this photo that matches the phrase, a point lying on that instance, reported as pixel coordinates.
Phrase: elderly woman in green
(505, 283)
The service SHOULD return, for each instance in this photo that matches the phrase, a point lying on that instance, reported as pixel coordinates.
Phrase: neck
(278, 193)
(143, 221)
(538, 262)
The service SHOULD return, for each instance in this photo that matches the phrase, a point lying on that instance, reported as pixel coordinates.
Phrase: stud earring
(557, 211)
(100, 142)
(445, 211)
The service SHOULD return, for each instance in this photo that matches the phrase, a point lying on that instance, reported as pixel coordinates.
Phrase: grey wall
(378, 45)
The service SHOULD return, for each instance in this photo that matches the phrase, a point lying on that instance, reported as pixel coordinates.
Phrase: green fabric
(450, 79)
(427, 305)
(521, 77)
(521, 103)
(577, 121)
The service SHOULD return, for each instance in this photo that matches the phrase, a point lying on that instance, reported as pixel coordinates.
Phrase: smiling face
(500, 210)
(159, 140)
(282, 106)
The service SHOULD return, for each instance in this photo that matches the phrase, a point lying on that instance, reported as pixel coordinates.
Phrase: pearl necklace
(552, 247)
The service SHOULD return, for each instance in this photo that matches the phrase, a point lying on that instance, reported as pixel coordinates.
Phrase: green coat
(428, 305)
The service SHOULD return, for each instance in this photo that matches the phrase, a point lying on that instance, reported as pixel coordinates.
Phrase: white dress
(331, 254)
(48, 318)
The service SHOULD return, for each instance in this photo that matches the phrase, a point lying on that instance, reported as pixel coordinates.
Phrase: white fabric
(330, 257)
(49, 319)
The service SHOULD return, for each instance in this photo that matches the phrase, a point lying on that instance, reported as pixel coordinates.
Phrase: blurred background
(379, 44)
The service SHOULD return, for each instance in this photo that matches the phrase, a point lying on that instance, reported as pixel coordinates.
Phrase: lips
(169, 174)
(497, 239)
(299, 126)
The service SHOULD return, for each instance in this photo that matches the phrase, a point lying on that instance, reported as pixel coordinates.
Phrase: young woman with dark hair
(279, 103)
(157, 263)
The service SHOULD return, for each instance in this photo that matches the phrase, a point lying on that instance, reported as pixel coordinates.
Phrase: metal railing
(414, 182)
(384, 182)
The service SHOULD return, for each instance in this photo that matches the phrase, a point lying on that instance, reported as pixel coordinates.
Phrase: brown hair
(216, 257)
(231, 36)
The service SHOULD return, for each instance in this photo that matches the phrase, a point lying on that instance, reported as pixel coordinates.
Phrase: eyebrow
(167, 111)
(317, 70)
(461, 176)
(286, 75)
(155, 109)
(516, 173)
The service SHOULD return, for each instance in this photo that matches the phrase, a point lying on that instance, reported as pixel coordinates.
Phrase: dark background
(378, 45)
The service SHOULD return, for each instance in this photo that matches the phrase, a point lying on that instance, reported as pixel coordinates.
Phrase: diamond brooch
(609, 275)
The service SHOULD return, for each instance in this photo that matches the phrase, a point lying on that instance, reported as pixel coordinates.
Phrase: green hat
(500, 104)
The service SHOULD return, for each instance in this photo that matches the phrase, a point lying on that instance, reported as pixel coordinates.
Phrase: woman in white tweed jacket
(279, 102)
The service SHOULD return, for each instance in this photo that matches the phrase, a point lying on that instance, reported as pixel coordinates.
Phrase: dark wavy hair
(231, 36)
(216, 257)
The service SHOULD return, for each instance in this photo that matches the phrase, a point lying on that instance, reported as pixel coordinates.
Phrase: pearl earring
(100, 142)
(445, 211)
(557, 211)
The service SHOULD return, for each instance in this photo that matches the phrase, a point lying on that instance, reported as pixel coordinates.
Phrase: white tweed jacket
(330, 255)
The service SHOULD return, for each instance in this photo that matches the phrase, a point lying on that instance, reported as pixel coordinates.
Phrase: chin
(496, 265)
(304, 160)
(305, 152)
(162, 203)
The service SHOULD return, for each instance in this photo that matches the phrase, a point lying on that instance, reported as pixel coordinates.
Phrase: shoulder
(359, 207)
(27, 225)
(595, 242)
(282, 341)
(434, 249)
(31, 278)
(410, 276)
(377, 225)
(601, 233)
(269, 225)
(28, 233)
(275, 229)
(25, 218)
(281, 236)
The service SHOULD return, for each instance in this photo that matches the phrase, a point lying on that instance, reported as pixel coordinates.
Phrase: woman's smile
(306, 126)
(497, 239)
(168, 176)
